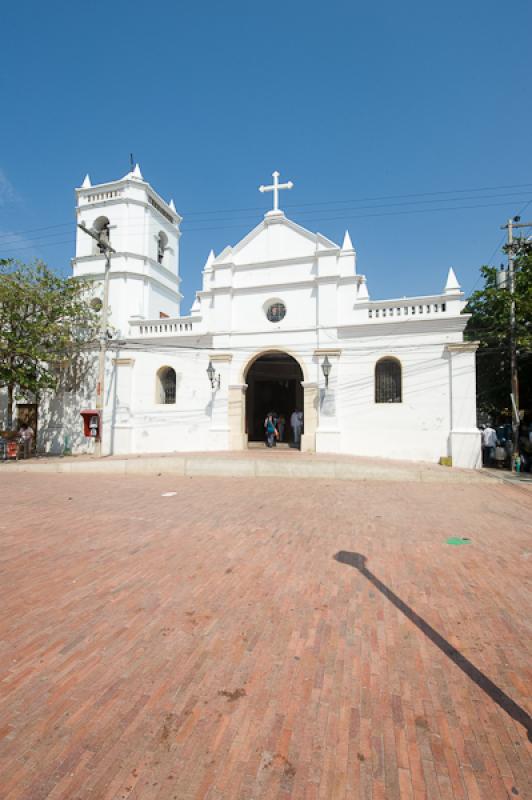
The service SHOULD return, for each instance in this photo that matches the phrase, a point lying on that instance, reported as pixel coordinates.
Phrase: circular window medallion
(276, 311)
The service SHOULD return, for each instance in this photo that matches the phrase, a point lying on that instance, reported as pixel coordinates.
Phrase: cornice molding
(334, 352)
(138, 276)
(417, 300)
(128, 254)
(171, 278)
(124, 362)
(405, 326)
(274, 287)
(462, 347)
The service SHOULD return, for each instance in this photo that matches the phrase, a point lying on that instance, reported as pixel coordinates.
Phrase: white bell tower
(144, 232)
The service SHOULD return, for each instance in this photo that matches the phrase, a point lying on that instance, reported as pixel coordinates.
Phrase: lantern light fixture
(214, 379)
(326, 369)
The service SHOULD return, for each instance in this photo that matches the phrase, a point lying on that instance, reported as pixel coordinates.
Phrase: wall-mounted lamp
(214, 379)
(326, 369)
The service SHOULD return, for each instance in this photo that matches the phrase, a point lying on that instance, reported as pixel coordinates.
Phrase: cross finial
(275, 189)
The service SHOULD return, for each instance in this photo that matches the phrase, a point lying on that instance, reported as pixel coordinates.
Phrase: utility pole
(102, 238)
(513, 223)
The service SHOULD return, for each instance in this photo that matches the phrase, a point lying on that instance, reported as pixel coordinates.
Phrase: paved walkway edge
(191, 466)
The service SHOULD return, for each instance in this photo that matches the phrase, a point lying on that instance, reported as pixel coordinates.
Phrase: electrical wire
(36, 243)
(496, 249)
(319, 204)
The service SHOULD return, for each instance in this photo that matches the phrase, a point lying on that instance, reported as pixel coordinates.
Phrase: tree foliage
(46, 322)
(490, 325)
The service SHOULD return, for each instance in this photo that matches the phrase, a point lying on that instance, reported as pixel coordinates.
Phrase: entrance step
(259, 462)
(262, 446)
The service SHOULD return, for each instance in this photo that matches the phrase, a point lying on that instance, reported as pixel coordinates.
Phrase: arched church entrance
(273, 384)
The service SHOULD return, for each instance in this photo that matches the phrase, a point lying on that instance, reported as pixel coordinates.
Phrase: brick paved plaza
(210, 645)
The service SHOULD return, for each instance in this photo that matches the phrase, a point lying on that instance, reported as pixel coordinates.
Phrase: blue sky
(398, 121)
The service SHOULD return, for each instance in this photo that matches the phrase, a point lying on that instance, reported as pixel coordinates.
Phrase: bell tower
(144, 233)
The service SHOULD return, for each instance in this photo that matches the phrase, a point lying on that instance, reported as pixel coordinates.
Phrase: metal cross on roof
(275, 189)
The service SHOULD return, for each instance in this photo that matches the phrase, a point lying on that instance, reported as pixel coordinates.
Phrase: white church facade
(275, 312)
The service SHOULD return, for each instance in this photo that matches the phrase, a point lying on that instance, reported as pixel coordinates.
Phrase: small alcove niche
(166, 386)
(100, 224)
(388, 381)
(162, 245)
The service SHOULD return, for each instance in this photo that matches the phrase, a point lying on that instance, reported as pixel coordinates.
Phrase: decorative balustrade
(406, 310)
(163, 328)
(97, 196)
(160, 209)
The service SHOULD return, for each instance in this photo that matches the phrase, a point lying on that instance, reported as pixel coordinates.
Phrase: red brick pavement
(208, 645)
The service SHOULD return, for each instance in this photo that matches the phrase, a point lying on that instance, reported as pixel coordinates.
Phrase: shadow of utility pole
(358, 561)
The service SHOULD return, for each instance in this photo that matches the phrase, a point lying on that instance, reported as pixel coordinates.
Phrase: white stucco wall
(327, 311)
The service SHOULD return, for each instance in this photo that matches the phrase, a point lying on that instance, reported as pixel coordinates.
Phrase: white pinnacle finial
(171, 205)
(137, 173)
(275, 187)
(87, 182)
(210, 259)
(348, 244)
(452, 286)
(363, 293)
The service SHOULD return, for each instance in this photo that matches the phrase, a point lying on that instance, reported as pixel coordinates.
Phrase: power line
(365, 216)
(37, 246)
(496, 249)
(369, 199)
(344, 211)
(35, 243)
(318, 204)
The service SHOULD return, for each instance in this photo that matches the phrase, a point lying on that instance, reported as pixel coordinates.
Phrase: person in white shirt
(489, 443)
(296, 423)
(26, 439)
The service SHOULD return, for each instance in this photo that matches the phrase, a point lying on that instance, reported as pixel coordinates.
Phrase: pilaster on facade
(464, 434)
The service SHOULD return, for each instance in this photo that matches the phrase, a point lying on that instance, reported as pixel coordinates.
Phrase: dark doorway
(274, 384)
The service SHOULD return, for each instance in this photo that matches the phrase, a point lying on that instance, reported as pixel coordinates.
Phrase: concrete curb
(196, 466)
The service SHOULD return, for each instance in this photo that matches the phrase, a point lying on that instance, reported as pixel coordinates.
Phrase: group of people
(497, 446)
(275, 426)
(17, 444)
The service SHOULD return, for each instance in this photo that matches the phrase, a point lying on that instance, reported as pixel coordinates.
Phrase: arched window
(162, 244)
(166, 385)
(388, 388)
(101, 226)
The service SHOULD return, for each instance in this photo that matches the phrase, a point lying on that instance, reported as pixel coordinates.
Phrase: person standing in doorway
(489, 443)
(271, 430)
(296, 423)
(26, 439)
(281, 425)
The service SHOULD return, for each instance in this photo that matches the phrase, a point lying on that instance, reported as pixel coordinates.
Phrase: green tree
(490, 325)
(46, 324)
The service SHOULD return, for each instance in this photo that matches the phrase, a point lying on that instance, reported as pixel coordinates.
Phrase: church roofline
(98, 188)
(330, 247)
(425, 298)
